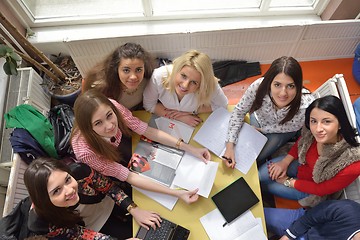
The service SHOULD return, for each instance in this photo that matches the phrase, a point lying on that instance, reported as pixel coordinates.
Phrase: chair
(16, 190)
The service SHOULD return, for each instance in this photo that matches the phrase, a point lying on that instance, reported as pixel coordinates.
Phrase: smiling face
(62, 189)
(104, 121)
(324, 126)
(131, 72)
(187, 80)
(283, 90)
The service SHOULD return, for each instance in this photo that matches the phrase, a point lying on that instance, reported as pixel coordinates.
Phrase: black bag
(62, 120)
(231, 71)
(15, 225)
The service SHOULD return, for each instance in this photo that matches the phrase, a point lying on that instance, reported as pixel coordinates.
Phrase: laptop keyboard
(163, 232)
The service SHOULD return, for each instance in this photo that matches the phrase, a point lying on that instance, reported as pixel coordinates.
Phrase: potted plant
(62, 78)
(63, 89)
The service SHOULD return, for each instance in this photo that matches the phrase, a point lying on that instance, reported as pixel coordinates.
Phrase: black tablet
(235, 199)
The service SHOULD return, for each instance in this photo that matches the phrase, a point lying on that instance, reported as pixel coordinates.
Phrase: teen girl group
(323, 161)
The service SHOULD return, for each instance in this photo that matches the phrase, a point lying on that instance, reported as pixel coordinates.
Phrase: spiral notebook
(235, 199)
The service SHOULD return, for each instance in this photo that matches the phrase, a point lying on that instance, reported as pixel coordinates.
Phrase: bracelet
(179, 141)
(131, 206)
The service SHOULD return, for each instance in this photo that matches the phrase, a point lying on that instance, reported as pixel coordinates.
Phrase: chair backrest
(16, 190)
(337, 86)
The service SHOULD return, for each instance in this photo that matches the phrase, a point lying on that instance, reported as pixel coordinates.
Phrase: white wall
(316, 41)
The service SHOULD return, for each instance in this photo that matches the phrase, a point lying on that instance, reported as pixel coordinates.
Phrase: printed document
(193, 173)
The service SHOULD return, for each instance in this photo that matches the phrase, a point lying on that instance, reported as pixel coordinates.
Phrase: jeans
(279, 219)
(357, 112)
(274, 142)
(278, 189)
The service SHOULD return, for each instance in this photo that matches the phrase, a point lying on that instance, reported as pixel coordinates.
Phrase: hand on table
(201, 153)
(185, 117)
(188, 196)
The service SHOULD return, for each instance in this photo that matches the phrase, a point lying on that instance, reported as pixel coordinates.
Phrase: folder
(235, 199)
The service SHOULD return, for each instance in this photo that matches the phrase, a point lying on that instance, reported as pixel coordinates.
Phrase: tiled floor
(315, 73)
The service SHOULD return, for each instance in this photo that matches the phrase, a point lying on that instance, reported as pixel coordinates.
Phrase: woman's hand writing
(146, 218)
(229, 155)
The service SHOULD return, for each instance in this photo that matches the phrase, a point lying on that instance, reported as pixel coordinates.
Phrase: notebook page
(249, 145)
(212, 133)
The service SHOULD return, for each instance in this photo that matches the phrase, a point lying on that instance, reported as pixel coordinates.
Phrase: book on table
(173, 127)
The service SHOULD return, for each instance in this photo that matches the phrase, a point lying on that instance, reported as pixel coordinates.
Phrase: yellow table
(189, 215)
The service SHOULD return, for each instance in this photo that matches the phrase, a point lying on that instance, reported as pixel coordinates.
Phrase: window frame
(28, 20)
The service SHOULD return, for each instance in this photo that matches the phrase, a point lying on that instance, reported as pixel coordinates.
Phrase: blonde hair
(202, 63)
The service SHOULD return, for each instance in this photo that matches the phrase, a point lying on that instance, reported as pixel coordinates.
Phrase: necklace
(130, 92)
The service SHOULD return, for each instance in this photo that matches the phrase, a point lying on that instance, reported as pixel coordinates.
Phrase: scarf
(334, 158)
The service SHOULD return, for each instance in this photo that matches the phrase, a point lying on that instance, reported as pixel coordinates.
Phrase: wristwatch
(131, 206)
(287, 182)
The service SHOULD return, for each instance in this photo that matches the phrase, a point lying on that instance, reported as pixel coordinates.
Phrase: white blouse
(155, 91)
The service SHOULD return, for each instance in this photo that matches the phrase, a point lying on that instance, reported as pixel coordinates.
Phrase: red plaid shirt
(85, 154)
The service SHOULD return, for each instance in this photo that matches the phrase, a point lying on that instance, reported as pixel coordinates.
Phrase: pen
(224, 224)
(229, 160)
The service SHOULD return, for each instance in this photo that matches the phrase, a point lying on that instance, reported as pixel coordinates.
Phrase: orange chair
(286, 203)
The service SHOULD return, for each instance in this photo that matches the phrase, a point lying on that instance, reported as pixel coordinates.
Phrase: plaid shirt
(85, 154)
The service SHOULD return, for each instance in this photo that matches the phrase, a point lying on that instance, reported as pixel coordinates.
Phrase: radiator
(25, 88)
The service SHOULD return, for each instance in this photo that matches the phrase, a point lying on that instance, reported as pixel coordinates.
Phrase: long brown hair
(36, 178)
(105, 77)
(84, 108)
(290, 67)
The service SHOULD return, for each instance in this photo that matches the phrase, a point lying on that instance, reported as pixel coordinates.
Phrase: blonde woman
(185, 88)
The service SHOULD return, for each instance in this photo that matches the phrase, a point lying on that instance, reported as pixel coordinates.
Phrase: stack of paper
(212, 135)
(245, 227)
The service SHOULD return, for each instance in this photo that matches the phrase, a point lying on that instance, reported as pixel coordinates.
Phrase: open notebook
(249, 145)
(156, 161)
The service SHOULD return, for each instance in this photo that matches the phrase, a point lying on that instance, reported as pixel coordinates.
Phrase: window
(39, 13)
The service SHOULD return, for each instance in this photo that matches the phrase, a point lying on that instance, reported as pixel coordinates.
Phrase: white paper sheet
(245, 227)
(249, 145)
(164, 199)
(175, 128)
(193, 173)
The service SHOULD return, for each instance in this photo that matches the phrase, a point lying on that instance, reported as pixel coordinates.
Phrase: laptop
(167, 231)
(235, 199)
